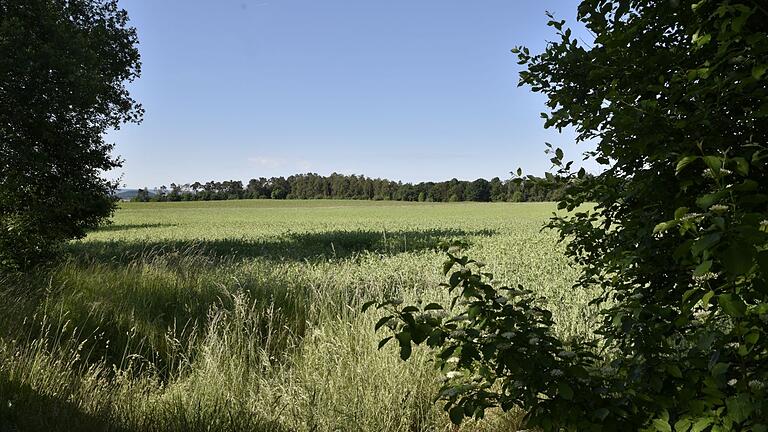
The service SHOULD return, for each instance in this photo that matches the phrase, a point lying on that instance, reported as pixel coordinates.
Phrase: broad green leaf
(661, 425)
(684, 162)
(732, 304)
(404, 338)
(702, 268)
(742, 166)
(739, 407)
(704, 243)
(683, 425)
(715, 163)
(738, 259)
(382, 321)
(456, 414)
(701, 424)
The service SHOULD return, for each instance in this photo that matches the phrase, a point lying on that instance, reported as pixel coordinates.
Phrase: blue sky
(410, 90)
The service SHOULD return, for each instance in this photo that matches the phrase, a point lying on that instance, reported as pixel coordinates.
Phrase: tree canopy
(63, 69)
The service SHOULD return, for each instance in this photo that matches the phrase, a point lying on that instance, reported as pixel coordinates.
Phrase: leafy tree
(63, 68)
(674, 232)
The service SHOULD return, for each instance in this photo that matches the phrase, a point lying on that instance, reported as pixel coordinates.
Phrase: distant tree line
(359, 187)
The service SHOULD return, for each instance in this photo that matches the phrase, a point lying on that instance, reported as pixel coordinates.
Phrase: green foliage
(676, 97)
(63, 66)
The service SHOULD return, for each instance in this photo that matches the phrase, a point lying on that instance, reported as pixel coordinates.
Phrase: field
(245, 315)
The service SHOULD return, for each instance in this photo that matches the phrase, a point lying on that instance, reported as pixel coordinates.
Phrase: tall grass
(174, 333)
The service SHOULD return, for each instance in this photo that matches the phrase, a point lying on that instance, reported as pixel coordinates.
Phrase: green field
(245, 315)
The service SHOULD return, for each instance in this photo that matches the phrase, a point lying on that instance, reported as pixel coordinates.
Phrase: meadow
(245, 315)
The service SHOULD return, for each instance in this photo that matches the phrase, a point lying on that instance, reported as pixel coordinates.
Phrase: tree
(478, 190)
(676, 96)
(63, 69)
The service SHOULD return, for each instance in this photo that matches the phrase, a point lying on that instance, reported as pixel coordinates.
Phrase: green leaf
(674, 371)
(367, 305)
(704, 243)
(404, 338)
(384, 341)
(739, 407)
(758, 70)
(682, 425)
(715, 163)
(701, 424)
(680, 212)
(742, 166)
(684, 162)
(664, 226)
(410, 309)
(564, 390)
(702, 268)
(732, 304)
(433, 306)
(738, 259)
(381, 322)
(456, 415)
(661, 425)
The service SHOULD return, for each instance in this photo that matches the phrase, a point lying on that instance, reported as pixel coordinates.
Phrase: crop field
(245, 315)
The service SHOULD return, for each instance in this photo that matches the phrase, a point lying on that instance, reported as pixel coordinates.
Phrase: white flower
(458, 333)
(533, 341)
(756, 385)
(557, 373)
(452, 360)
(500, 299)
(566, 354)
(705, 277)
(453, 374)
(508, 335)
(732, 382)
(718, 208)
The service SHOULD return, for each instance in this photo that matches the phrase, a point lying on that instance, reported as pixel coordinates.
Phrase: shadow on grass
(311, 246)
(128, 227)
(22, 408)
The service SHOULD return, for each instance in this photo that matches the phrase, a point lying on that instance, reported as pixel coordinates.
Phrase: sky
(409, 90)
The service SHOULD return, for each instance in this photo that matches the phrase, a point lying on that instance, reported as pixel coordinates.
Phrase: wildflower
(705, 277)
(453, 374)
(732, 382)
(508, 335)
(452, 360)
(458, 334)
(557, 373)
(718, 208)
(756, 385)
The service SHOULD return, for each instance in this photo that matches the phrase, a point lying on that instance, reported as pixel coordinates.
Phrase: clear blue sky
(410, 90)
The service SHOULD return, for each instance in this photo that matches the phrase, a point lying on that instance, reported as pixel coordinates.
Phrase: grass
(244, 315)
